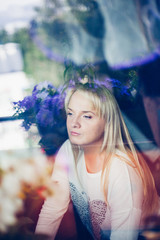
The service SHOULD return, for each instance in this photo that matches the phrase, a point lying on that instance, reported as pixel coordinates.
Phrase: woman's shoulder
(118, 164)
(120, 158)
(121, 155)
(66, 143)
(66, 146)
(123, 168)
(64, 152)
(124, 184)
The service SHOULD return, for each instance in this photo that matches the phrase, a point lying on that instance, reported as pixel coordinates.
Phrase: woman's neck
(93, 159)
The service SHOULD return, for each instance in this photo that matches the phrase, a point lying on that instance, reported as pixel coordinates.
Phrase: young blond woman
(111, 188)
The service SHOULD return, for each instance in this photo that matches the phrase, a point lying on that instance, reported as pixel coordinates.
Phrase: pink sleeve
(55, 207)
(125, 198)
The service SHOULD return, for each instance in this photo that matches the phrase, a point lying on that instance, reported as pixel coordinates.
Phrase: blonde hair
(116, 136)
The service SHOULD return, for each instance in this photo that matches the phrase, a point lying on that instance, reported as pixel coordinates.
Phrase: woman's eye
(69, 114)
(87, 116)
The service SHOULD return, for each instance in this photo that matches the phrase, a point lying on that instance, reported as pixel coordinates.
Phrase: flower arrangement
(20, 172)
(44, 108)
(124, 90)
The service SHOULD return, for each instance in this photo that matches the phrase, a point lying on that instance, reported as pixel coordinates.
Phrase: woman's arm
(125, 197)
(55, 206)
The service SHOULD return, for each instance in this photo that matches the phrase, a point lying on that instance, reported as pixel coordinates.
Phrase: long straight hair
(116, 137)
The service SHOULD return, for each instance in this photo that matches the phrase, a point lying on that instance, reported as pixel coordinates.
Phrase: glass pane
(13, 136)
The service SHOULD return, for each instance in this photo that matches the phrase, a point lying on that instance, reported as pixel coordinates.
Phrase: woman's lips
(75, 133)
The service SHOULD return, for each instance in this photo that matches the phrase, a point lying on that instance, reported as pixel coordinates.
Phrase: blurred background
(40, 38)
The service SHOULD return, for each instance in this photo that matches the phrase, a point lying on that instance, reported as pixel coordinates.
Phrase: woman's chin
(75, 140)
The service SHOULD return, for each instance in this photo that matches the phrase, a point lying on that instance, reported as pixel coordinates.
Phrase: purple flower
(45, 117)
(43, 107)
(58, 102)
(41, 95)
(43, 86)
(26, 125)
(47, 102)
(125, 91)
(28, 102)
(71, 83)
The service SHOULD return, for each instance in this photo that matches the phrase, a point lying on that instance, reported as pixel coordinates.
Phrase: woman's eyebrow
(85, 111)
(69, 109)
(88, 112)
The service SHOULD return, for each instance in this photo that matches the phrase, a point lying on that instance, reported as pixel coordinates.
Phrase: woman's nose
(76, 122)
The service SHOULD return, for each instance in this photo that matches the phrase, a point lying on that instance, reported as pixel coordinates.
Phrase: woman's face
(85, 127)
